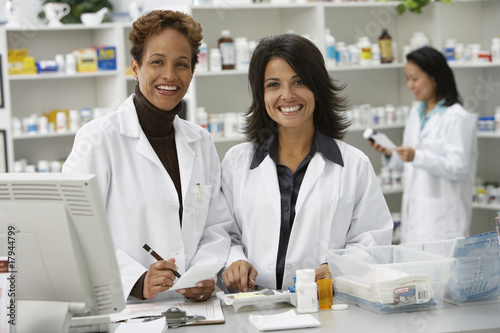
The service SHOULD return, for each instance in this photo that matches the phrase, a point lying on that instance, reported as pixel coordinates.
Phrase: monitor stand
(42, 316)
(57, 317)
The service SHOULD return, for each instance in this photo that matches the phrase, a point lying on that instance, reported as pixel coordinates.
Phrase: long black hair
(433, 62)
(307, 61)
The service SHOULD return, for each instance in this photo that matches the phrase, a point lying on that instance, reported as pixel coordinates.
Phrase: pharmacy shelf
(493, 135)
(26, 29)
(42, 136)
(392, 189)
(366, 67)
(476, 205)
(359, 128)
(237, 138)
(46, 76)
(465, 65)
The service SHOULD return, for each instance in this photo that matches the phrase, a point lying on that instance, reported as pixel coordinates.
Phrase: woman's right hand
(240, 275)
(380, 149)
(160, 277)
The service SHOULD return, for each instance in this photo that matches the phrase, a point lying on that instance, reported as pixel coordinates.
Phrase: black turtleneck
(159, 129)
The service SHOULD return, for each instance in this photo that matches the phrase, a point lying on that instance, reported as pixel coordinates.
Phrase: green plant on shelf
(414, 6)
(78, 7)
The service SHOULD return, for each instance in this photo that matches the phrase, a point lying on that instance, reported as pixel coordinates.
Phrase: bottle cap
(368, 133)
(305, 275)
(339, 307)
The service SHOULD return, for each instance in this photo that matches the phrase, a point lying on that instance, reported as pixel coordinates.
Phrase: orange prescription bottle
(325, 293)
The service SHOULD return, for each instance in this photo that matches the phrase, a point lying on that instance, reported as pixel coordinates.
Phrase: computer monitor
(64, 262)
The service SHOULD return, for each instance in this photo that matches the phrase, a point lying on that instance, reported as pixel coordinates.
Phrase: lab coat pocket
(196, 208)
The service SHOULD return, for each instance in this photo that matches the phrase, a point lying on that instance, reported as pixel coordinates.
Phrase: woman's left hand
(201, 292)
(322, 272)
(406, 154)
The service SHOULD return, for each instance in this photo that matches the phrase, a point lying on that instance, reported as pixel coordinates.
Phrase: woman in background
(295, 189)
(438, 154)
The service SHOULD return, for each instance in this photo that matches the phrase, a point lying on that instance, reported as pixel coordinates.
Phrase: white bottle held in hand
(380, 138)
(307, 291)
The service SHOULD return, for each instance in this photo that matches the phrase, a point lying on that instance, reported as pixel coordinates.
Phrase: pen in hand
(157, 257)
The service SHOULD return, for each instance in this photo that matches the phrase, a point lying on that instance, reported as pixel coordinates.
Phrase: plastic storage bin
(389, 279)
(474, 277)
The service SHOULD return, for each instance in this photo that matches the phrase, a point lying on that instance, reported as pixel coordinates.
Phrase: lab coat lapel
(185, 154)
(314, 171)
(269, 174)
(130, 127)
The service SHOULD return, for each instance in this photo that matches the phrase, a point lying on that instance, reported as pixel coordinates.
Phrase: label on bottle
(386, 50)
(228, 54)
(330, 52)
(366, 53)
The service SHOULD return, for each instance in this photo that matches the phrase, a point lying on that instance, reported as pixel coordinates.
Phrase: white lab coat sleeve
(130, 271)
(371, 222)
(90, 156)
(215, 241)
(236, 251)
(451, 160)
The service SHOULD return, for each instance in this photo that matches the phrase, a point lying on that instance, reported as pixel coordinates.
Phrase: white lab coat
(141, 200)
(437, 198)
(336, 207)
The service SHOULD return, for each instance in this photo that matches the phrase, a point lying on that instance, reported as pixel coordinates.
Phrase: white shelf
(455, 64)
(238, 138)
(43, 136)
(493, 135)
(366, 67)
(392, 189)
(359, 128)
(46, 76)
(486, 206)
(64, 27)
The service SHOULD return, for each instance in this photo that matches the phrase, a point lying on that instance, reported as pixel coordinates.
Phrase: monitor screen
(54, 231)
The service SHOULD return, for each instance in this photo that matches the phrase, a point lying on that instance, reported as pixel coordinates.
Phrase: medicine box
(389, 279)
(106, 57)
(86, 60)
(475, 270)
(20, 62)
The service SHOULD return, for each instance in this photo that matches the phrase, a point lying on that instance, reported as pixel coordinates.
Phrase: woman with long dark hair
(438, 155)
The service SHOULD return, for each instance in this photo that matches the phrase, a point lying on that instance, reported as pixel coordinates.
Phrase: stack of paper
(283, 321)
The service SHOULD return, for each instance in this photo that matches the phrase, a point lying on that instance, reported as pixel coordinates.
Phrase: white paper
(283, 321)
(158, 325)
(196, 274)
(211, 310)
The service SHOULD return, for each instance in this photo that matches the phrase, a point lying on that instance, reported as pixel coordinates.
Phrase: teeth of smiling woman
(169, 88)
(291, 109)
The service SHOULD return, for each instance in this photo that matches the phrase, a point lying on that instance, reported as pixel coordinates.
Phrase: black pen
(157, 257)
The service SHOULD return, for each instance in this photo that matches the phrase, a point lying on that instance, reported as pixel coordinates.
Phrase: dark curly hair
(155, 22)
(307, 61)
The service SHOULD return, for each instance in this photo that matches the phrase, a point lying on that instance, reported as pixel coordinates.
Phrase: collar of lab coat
(440, 107)
(129, 123)
(321, 143)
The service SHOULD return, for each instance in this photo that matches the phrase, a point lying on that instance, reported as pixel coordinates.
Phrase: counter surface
(450, 318)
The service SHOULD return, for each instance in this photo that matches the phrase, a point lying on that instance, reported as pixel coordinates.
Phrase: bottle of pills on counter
(227, 50)
(307, 291)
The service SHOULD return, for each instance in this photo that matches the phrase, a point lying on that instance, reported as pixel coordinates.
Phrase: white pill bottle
(307, 291)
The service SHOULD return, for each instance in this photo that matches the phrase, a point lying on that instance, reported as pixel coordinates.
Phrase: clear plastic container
(389, 279)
